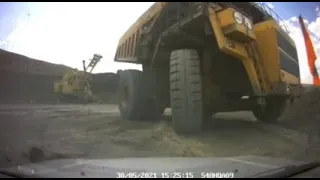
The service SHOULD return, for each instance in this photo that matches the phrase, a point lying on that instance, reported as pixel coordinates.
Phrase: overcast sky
(67, 33)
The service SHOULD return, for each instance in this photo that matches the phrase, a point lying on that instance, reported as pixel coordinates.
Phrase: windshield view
(159, 89)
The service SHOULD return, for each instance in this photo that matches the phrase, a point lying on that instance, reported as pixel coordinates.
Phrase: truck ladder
(252, 50)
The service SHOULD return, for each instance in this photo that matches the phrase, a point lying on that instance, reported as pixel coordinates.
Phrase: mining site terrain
(96, 130)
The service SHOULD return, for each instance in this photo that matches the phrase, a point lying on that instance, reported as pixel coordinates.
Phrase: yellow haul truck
(200, 58)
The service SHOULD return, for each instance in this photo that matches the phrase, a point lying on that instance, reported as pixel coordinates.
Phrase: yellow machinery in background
(75, 84)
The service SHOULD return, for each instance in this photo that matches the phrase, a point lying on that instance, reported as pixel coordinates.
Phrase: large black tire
(136, 101)
(273, 109)
(186, 93)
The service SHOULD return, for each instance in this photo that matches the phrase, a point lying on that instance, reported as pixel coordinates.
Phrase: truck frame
(200, 58)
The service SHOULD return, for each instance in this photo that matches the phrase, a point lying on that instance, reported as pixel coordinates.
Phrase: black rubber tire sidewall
(186, 93)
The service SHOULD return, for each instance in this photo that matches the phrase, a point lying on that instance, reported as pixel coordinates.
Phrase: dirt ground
(96, 131)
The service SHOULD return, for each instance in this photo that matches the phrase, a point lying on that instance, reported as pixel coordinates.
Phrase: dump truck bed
(130, 40)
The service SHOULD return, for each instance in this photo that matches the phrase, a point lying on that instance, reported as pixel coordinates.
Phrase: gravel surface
(96, 131)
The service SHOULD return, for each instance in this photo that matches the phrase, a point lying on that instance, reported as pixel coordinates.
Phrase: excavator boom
(93, 62)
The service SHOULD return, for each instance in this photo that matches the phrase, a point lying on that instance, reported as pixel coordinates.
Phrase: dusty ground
(96, 131)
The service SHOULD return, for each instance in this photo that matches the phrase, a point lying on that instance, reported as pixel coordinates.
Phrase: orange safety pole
(310, 53)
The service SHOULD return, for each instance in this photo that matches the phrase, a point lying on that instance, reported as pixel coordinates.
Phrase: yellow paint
(238, 52)
(289, 78)
(72, 82)
(268, 48)
(226, 19)
(270, 53)
(154, 9)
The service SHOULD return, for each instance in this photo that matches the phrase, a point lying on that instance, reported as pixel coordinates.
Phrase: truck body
(201, 58)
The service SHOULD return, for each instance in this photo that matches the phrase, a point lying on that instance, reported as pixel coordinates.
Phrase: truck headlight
(238, 17)
(248, 23)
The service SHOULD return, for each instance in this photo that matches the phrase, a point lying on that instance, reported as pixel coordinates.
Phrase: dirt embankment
(23, 79)
(304, 113)
(104, 85)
